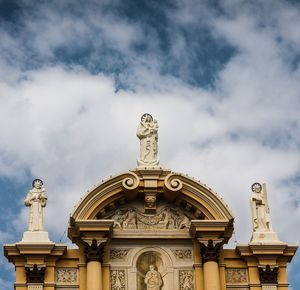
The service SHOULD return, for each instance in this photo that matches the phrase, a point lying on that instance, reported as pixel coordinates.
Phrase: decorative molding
(35, 287)
(237, 288)
(182, 253)
(66, 276)
(118, 280)
(35, 274)
(186, 280)
(210, 252)
(268, 275)
(269, 287)
(236, 276)
(118, 254)
(132, 218)
(94, 252)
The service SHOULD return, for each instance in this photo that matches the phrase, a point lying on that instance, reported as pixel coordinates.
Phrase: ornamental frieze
(133, 218)
(182, 253)
(118, 253)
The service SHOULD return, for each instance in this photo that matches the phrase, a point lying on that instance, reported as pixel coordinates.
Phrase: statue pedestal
(35, 237)
(265, 237)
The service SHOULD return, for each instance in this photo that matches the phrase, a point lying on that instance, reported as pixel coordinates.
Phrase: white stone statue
(153, 279)
(261, 221)
(36, 199)
(147, 133)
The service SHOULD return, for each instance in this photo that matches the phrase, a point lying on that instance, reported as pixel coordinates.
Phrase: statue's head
(37, 183)
(147, 118)
(151, 267)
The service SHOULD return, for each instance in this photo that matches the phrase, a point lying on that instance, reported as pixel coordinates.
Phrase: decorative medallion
(256, 187)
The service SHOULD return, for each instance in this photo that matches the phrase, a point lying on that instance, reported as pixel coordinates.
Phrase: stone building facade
(152, 229)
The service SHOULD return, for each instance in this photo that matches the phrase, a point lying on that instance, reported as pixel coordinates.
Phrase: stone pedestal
(35, 237)
(265, 237)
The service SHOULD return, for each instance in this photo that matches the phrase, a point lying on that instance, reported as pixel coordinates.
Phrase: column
(94, 258)
(210, 257)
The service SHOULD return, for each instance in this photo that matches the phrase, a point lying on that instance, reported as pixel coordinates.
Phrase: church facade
(150, 229)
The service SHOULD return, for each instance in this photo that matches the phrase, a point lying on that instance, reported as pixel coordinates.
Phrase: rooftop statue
(36, 199)
(261, 220)
(147, 133)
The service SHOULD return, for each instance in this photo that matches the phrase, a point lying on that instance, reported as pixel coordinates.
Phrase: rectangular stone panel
(35, 287)
(236, 276)
(66, 276)
(269, 287)
(118, 280)
(186, 279)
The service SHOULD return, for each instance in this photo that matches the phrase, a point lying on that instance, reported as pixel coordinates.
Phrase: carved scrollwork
(173, 183)
(131, 182)
(118, 253)
(182, 253)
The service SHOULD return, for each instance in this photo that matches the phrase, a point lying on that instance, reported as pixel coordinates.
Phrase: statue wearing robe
(153, 279)
(36, 199)
(147, 133)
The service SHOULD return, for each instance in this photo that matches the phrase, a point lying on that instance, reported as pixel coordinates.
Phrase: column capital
(268, 274)
(35, 274)
(210, 251)
(94, 251)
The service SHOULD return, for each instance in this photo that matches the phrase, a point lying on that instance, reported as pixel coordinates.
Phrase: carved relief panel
(186, 280)
(66, 276)
(236, 276)
(118, 280)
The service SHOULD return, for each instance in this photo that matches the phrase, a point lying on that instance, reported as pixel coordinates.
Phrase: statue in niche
(153, 279)
(147, 133)
(260, 209)
(130, 220)
(36, 199)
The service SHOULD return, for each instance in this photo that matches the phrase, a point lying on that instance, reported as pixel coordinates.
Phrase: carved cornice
(210, 251)
(268, 274)
(94, 251)
(35, 274)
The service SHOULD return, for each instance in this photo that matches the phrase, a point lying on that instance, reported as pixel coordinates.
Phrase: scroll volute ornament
(130, 185)
(172, 186)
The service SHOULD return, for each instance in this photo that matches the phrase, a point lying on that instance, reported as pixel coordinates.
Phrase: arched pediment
(180, 190)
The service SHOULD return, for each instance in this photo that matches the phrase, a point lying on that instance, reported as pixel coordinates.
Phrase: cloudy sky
(222, 79)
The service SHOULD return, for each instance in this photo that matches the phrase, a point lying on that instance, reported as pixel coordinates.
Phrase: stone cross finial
(147, 132)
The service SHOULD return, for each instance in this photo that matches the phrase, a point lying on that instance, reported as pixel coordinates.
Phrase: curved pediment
(151, 187)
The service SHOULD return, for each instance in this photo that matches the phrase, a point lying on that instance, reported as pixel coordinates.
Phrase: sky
(222, 78)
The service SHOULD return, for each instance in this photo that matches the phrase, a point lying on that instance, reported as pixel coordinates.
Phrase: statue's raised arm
(147, 132)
